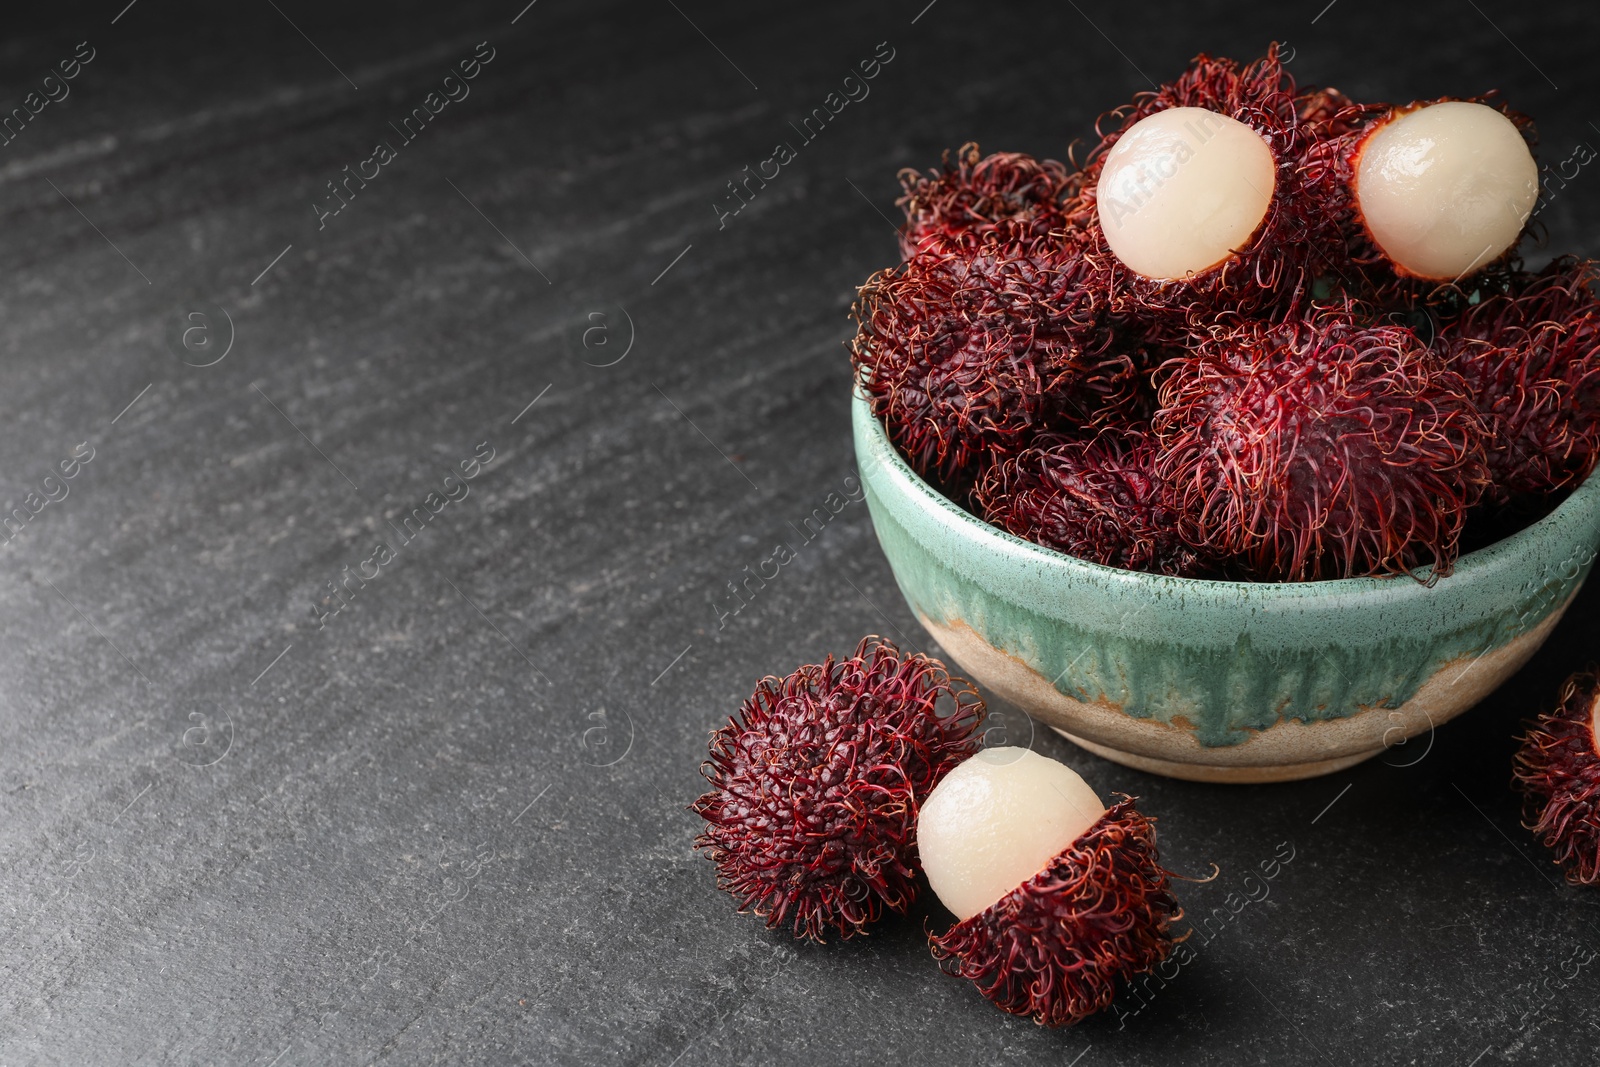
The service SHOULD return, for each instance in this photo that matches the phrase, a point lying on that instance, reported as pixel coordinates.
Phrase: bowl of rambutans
(1251, 446)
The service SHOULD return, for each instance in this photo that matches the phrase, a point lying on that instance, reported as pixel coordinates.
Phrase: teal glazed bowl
(1220, 681)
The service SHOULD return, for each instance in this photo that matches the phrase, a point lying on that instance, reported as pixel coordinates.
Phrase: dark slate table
(445, 823)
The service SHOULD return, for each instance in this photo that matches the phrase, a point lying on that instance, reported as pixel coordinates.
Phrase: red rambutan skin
(979, 342)
(1272, 271)
(1056, 947)
(816, 786)
(976, 193)
(1531, 359)
(1320, 447)
(1329, 113)
(1100, 499)
(1557, 767)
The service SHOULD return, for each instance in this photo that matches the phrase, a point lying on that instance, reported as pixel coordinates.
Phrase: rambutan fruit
(975, 193)
(1425, 194)
(1099, 498)
(1193, 198)
(1531, 360)
(1320, 447)
(1058, 898)
(979, 342)
(1557, 768)
(817, 783)
(1444, 188)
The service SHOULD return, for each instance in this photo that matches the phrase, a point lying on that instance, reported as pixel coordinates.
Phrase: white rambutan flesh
(1445, 189)
(996, 821)
(1182, 190)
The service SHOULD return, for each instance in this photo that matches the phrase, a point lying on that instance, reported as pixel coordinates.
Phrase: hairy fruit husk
(979, 342)
(816, 784)
(1057, 947)
(1320, 447)
(1558, 770)
(1531, 359)
(1101, 499)
(976, 193)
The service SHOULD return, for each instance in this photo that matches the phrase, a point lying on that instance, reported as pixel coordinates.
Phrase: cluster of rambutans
(1319, 403)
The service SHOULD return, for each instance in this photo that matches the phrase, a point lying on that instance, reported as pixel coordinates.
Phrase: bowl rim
(1584, 498)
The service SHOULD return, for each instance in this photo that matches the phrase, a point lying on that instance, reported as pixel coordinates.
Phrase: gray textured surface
(449, 825)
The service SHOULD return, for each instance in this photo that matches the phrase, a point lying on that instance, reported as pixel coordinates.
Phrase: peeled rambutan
(1262, 261)
(1422, 195)
(1099, 498)
(1557, 768)
(1320, 447)
(979, 342)
(975, 193)
(817, 784)
(1219, 85)
(1059, 899)
(1531, 360)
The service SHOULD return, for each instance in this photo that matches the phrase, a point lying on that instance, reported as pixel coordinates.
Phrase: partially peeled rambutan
(1558, 770)
(1257, 270)
(1320, 447)
(1531, 360)
(976, 193)
(1059, 899)
(1423, 195)
(817, 784)
(1099, 498)
(979, 342)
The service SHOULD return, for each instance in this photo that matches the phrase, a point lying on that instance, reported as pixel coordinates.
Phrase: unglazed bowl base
(1203, 772)
(1290, 750)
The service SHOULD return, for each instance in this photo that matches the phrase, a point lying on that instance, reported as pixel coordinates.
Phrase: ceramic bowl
(1220, 681)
